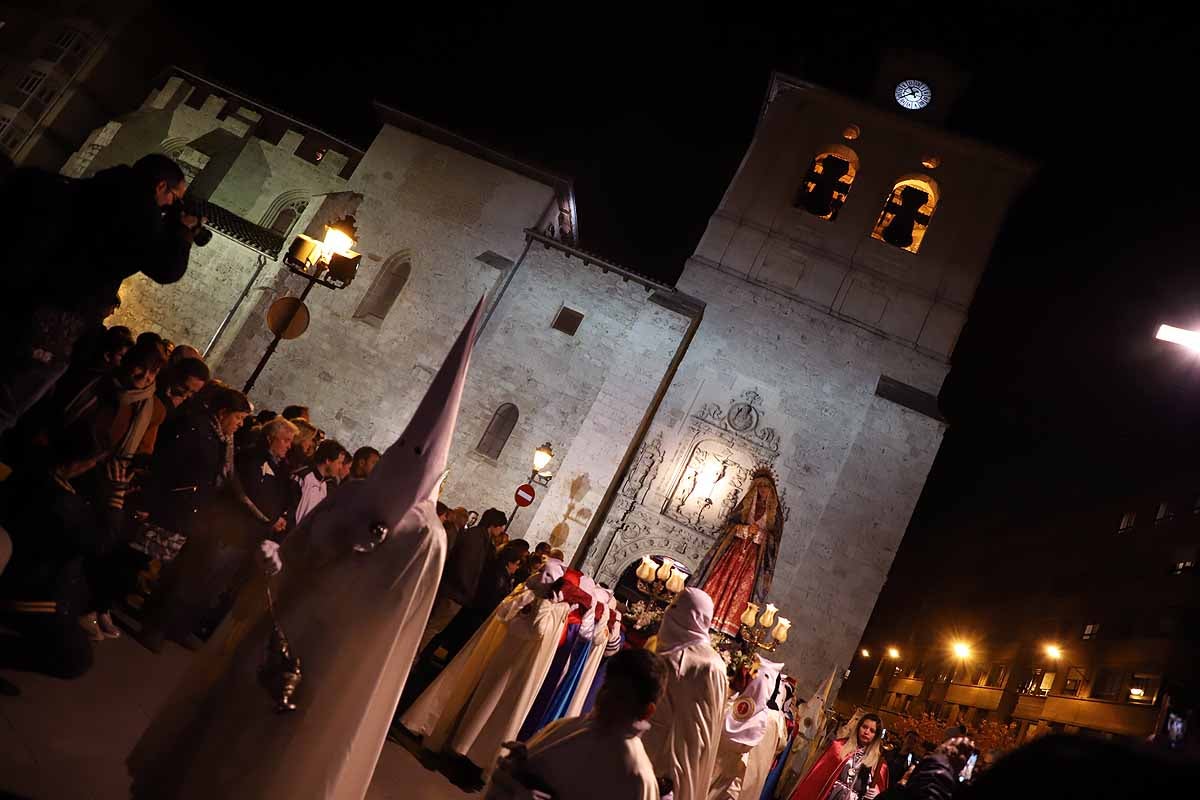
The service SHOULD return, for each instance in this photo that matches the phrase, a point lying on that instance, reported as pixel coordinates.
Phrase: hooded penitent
(358, 581)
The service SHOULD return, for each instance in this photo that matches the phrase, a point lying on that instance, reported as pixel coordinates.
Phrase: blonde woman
(852, 768)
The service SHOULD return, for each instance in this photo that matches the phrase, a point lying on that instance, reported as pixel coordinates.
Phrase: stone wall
(585, 394)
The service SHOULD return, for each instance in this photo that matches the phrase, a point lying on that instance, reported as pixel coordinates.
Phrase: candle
(645, 570)
(749, 614)
(768, 617)
(675, 583)
(664, 572)
(781, 630)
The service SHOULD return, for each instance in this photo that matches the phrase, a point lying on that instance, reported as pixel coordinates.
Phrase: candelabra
(769, 632)
(659, 581)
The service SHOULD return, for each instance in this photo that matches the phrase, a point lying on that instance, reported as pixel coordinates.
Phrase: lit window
(1074, 682)
(1183, 567)
(1091, 630)
(498, 430)
(827, 183)
(1039, 683)
(1143, 688)
(1127, 521)
(1164, 513)
(567, 321)
(907, 213)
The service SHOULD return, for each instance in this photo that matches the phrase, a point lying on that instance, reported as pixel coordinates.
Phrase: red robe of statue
(819, 780)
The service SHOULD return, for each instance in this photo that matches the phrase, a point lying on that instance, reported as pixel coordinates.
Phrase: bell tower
(837, 273)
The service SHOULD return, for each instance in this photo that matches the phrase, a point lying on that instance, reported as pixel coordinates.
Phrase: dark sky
(650, 110)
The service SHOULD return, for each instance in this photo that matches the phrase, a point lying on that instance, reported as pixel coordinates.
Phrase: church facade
(809, 333)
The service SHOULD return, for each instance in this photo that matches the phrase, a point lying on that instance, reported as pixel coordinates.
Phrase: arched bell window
(907, 212)
(827, 182)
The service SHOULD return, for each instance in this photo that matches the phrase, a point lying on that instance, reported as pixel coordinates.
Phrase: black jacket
(494, 585)
(464, 565)
(266, 483)
(187, 471)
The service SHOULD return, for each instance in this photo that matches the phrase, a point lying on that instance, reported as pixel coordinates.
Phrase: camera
(195, 208)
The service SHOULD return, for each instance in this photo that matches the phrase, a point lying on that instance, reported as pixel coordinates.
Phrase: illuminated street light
(866, 653)
(1180, 336)
(1054, 651)
(961, 650)
(893, 652)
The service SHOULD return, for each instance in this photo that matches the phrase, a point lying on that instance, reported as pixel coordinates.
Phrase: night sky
(1057, 380)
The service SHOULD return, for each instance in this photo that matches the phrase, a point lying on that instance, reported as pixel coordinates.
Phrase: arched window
(498, 431)
(827, 182)
(285, 217)
(389, 282)
(907, 212)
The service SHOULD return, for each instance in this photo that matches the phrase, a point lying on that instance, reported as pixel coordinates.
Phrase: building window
(30, 82)
(1164, 513)
(1127, 521)
(906, 213)
(1039, 683)
(825, 186)
(1106, 684)
(567, 321)
(1091, 630)
(69, 48)
(381, 296)
(1074, 681)
(498, 431)
(997, 675)
(1143, 688)
(12, 136)
(495, 260)
(1183, 567)
(285, 218)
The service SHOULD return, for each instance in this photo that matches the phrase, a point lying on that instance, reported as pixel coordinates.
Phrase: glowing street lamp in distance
(961, 650)
(893, 652)
(1180, 336)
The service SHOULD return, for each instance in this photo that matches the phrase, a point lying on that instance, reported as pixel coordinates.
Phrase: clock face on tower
(913, 94)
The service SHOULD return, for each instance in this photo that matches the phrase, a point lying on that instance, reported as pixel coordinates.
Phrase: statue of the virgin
(740, 565)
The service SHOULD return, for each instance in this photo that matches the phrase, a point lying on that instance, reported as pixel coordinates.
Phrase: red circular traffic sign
(524, 495)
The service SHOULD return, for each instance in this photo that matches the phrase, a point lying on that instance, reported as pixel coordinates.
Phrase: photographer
(76, 241)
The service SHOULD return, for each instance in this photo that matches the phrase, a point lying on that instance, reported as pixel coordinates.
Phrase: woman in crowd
(851, 768)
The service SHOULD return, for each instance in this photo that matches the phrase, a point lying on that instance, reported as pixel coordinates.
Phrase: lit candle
(768, 617)
(664, 572)
(781, 630)
(645, 570)
(749, 614)
(675, 583)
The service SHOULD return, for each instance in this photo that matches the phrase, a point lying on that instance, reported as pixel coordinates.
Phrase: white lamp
(749, 615)
(780, 633)
(768, 617)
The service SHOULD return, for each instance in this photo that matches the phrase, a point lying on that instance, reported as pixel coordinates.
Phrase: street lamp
(1180, 336)
(893, 653)
(1054, 651)
(866, 653)
(962, 650)
(541, 457)
(331, 263)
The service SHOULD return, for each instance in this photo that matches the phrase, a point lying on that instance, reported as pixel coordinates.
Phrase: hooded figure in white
(358, 580)
(686, 727)
(753, 735)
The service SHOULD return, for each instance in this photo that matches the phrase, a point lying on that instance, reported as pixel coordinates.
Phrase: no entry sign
(524, 495)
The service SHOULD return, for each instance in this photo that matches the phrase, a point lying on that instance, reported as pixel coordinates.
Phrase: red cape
(820, 778)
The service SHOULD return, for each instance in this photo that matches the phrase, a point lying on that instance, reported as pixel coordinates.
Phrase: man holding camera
(70, 245)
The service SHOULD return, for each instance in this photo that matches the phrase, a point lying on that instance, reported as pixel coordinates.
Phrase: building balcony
(1029, 706)
(985, 697)
(1104, 715)
(908, 686)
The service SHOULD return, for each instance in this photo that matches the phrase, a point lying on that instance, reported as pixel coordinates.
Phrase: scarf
(116, 475)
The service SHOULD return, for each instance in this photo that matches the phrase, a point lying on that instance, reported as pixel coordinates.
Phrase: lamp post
(331, 263)
(541, 457)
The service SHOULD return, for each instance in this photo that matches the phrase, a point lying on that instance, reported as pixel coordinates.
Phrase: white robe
(760, 760)
(580, 759)
(686, 728)
(481, 699)
(591, 666)
(353, 619)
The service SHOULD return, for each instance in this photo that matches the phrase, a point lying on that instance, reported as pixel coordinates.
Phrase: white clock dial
(913, 94)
